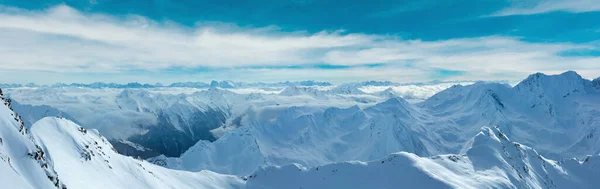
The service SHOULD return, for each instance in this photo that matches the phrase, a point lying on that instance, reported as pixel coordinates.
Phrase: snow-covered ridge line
(558, 115)
(57, 153)
(84, 159)
(147, 117)
(23, 163)
(491, 160)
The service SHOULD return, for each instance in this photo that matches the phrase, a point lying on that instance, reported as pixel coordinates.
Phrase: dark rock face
(596, 82)
(165, 138)
(126, 149)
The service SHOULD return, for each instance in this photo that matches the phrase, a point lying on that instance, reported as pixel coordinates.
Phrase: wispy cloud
(537, 7)
(64, 41)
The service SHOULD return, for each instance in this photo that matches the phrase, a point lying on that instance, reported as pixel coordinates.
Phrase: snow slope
(146, 120)
(559, 115)
(490, 161)
(299, 145)
(559, 125)
(310, 136)
(22, 161)
(57, 153)
(169, 120)
(85, 159)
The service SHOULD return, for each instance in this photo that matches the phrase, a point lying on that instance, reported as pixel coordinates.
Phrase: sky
(166, 41)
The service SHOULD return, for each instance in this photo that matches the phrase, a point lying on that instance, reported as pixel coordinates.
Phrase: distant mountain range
(220, 84)
(223, 84)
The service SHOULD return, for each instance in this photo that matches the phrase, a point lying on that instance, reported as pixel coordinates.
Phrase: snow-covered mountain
(490, 160)
(149, 122)
(458, 138)
(558, 115)
(560, 126)
(309, 136)
(57, 153)
(23, 162)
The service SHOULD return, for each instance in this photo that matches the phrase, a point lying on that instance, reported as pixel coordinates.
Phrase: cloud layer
(63, 41)
(532, 7)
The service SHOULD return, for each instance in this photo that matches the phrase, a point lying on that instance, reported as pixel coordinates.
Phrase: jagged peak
(596, 82)
(554, 86)
(214, 84)
(494, 139)
(479, 92)
(289, 90)
(293, 90)
(389, 89)
(571, 73)
(222, 84)
(389, 92)
(536, 78)
(396, 103)
(486, 138)
(487, 133)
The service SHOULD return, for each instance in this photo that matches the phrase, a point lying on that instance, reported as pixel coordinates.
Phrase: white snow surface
(303, 137)
(82, 159)
(129, 111)
(68, 156)
(491, 161)
(558, 115)
(87, 160)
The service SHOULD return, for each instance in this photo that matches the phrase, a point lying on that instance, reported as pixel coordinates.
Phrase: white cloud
(83, 42)
(529, 7)
(65, 45)
(413, 92)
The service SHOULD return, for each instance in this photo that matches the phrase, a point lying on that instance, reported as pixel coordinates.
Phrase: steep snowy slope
(23, 163)
(559, 115)
(490, 161)
(57, 153)
(85, 159)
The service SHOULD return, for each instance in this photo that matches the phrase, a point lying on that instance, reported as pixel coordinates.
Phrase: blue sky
(48, 41)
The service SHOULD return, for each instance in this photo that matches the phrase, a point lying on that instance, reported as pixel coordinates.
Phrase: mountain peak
(388, 93)
(214, 84)
(222, 84)
(396, 103)
(561, 85)
(568, 75)
(293, 90)
(488, 139)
